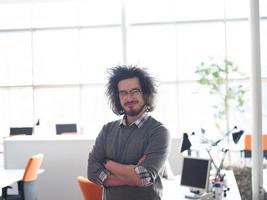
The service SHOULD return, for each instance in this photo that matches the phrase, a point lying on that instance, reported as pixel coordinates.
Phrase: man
(129, 154)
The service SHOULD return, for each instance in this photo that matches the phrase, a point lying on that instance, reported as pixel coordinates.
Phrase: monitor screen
(195, 173)
(66, 128)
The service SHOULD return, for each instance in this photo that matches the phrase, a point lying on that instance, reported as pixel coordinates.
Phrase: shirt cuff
(144, 175)
(103, 176)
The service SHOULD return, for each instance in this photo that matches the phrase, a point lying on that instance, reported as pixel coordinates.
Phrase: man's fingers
(141, 159)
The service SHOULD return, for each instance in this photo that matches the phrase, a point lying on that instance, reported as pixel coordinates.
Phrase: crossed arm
(143, 173)
(122, 174)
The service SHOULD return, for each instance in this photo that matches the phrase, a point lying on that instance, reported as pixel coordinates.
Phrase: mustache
(130, 102)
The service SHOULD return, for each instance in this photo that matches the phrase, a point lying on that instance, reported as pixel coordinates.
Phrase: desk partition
(173, 190)
(65, 157)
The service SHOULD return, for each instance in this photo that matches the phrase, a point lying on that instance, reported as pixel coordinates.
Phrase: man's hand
(126, 173)
(112, 180)
(141, 159)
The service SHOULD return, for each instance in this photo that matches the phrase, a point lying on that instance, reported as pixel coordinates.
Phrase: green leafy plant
(217, 78)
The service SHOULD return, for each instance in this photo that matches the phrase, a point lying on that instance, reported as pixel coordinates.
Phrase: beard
(134, 112)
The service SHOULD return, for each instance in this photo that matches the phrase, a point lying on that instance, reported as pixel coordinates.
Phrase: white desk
(173, 190)
(10, 176)
(265, 180)
(65, 158)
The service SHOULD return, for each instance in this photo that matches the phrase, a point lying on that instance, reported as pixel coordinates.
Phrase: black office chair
(26, 187)
(20, 131)
(66, 128)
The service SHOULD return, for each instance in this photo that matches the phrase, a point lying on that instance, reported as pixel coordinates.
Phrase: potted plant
(217, 77)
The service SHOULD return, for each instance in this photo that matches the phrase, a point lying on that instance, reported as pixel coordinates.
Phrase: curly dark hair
(118, 73)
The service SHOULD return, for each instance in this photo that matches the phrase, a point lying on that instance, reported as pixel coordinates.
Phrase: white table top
(66, 137)
(197, 146)
(10, 176)
(173, 190)
(265, 180)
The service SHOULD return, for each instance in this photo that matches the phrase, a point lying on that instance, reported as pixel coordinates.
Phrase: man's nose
(129, 96)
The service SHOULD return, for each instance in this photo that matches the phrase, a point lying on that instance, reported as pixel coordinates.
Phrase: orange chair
(90, 190)
(248, 140)
(26, 187)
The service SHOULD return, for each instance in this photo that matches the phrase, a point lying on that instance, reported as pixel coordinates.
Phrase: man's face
(131, 96)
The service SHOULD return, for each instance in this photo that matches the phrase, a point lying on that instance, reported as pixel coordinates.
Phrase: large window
(54, 56)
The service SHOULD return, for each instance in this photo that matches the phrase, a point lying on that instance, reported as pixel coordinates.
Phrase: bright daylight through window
(54, 56)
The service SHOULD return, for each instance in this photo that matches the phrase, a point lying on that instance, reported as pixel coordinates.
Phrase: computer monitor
(20, 131)
(195, 176)
(66, 128)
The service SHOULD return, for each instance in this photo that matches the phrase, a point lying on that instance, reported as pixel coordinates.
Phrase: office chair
(26, 187)
(90, 190)
(66, 128)
(247, 149)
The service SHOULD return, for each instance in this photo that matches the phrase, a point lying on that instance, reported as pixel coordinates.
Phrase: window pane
(98, 12)
(195, 108)
(95, 110)
(56, 105)
(197, 43)
(196, 111)
(197, 10)
(263, 48)
(55, 13)
(4, 128)
(15, 58)
(151, 11)
(263, 8)
(166, 110)
(13, 15)
(154, 47)
(56, 57)
(238, 49)
(237, 8)
(264, 106)
(16, 108)
(242, 120)
(99, 49)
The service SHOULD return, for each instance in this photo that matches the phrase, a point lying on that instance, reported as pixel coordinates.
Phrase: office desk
(198, 147)
(172, 189)
(65, 158)
(10, 176)
(265, 180)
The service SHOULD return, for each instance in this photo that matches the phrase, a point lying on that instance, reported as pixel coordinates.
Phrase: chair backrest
(248, 141)
(20, 131)
(66, 128)
(264, 142)
(32, 167)
(90, 190)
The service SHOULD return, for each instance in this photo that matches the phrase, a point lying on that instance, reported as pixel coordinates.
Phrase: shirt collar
(139, 122)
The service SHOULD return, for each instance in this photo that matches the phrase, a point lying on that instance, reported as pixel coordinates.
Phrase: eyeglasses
(133, 92)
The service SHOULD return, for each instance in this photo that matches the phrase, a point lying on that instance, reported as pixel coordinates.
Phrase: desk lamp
(186, 144)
